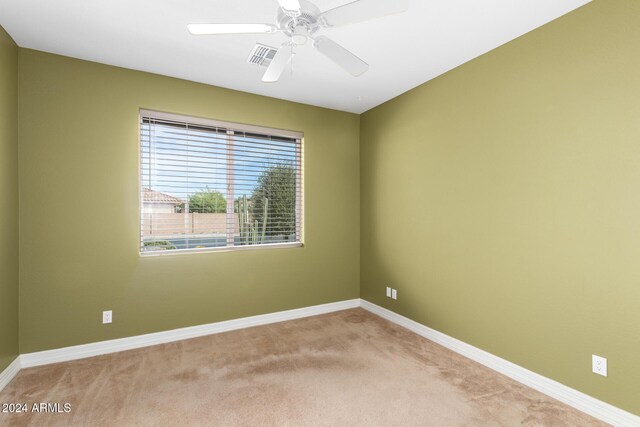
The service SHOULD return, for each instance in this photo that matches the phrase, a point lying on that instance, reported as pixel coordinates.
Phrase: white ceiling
(403, 50)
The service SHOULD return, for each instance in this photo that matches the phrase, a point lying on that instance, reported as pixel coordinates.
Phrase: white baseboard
(112, 346)
(585, 403)
(10, 371)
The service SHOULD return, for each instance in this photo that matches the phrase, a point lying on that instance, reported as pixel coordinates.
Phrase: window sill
(221, 249)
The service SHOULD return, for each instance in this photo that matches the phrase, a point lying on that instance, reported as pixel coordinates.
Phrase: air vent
(262, 55)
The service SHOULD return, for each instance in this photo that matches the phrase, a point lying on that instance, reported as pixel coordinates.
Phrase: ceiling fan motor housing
(300, 25)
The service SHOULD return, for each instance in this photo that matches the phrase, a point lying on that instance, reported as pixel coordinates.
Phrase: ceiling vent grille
(262, 55)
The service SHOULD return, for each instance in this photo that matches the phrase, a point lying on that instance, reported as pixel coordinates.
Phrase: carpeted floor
(340, 369)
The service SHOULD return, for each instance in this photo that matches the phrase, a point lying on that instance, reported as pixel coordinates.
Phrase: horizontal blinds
(209, 186)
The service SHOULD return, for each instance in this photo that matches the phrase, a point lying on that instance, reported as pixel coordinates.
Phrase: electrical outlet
(394, 293)
(388, 292)
(599, 365)
(107, 316)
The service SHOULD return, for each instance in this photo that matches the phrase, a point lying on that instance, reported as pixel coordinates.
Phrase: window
(207, 185)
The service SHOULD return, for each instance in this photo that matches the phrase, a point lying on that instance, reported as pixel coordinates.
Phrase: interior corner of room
(493, 209)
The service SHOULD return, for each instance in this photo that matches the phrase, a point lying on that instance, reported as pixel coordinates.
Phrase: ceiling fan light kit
(300, 20)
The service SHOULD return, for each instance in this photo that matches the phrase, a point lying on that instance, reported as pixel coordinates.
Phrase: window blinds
(206, 184)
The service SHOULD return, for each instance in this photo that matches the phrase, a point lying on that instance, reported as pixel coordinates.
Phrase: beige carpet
(340, 369)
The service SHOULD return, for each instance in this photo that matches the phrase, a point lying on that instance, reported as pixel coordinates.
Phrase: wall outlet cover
(107, 317)
(394, 293)
(388, 292)
(599, 365)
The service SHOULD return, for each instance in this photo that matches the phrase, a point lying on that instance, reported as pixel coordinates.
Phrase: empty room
(320, 213)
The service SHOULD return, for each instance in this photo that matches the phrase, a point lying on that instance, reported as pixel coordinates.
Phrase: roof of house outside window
(152, 196)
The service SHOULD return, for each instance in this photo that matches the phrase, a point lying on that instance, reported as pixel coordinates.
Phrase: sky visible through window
(183, 161)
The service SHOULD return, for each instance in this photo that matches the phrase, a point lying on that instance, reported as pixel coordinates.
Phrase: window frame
(231, 127)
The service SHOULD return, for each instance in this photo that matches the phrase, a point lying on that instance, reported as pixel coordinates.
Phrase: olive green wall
(502, 200)
(79, 227)
(8, 200)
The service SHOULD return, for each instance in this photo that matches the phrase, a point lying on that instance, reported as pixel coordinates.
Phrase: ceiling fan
(300, 20)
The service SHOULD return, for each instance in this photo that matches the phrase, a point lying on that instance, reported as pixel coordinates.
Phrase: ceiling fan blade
(277, 65)
(362, 10)
(212, 29)
(341, 56)
(290, 5)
